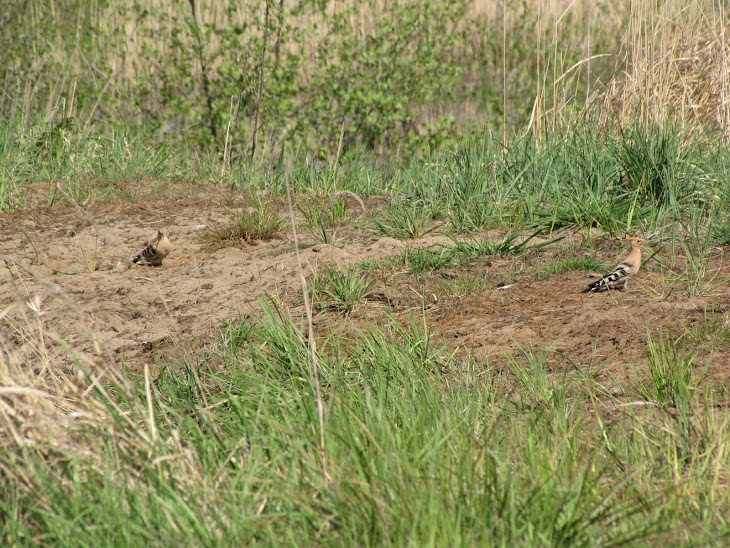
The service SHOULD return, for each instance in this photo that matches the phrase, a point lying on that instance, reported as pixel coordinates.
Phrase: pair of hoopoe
(158, 248)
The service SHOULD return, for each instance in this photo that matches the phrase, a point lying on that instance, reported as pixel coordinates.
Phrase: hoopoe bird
(619, 276)
(156, 250)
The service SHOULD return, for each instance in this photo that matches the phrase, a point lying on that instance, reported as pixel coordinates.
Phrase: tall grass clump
(619, 181)
(405, 220)
(671, 369)
(659, 164)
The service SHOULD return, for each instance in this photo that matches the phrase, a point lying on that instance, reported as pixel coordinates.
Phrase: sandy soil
(136, 314)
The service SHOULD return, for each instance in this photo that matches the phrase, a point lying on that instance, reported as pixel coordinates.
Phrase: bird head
(634, 241)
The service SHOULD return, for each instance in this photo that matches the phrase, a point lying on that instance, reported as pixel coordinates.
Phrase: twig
(311, 342)
(204, 74)
(261, 82)
(277, 42)
(226, 156)
(150, 409)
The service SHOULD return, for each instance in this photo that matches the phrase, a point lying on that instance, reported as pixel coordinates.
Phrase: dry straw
(56, 406)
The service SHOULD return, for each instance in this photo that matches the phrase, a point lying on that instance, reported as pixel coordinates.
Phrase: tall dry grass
(667, 60)
(677, 66)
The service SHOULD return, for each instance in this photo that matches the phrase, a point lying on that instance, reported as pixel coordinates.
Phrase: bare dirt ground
(137, 314)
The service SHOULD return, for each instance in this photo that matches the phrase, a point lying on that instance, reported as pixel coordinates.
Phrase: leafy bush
(238, 78)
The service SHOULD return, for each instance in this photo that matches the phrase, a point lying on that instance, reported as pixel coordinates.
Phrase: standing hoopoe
(155, 250)
(619, 276)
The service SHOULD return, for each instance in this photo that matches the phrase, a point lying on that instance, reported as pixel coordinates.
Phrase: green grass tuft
(573, 263)
(345, 291)
(423, 260)
(256, 223)
(324, 218)
(404, 221)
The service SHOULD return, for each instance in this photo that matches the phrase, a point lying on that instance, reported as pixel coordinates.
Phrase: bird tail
(144, 255)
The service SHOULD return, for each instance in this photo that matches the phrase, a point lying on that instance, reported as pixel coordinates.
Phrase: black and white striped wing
(148, 255)
(616, 278)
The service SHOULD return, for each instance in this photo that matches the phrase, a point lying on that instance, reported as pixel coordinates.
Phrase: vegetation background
(539, 115)
(240, 82)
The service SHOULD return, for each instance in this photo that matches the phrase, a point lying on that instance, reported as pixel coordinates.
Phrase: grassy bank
(429, 450)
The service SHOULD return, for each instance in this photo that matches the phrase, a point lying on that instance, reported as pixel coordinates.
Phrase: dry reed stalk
(310, 338)
(260, 86)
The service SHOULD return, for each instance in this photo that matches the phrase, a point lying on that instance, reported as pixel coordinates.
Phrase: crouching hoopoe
(619, 276)
(156, 250)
